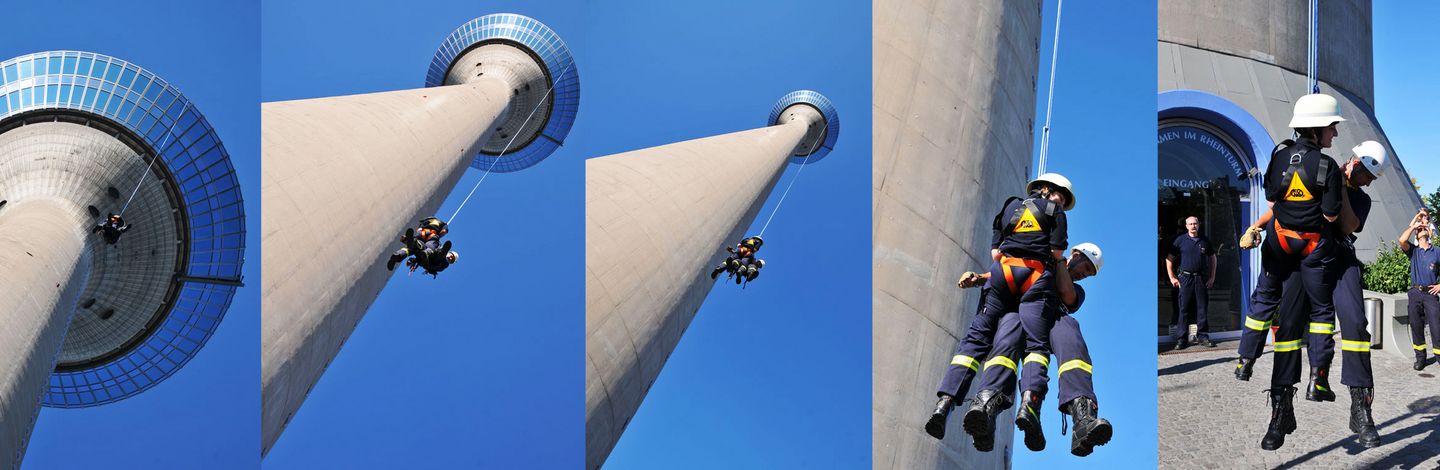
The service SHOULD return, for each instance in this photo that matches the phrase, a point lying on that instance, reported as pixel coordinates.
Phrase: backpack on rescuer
(1295, 176)
(1028, 217)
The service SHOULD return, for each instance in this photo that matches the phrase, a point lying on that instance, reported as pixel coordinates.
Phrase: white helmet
(1060, 181)
(1372, 154)
(454, 256)
(1316, 110)
(1090, 251)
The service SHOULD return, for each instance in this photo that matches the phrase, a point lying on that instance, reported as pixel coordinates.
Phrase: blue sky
(1102, 137)
(482, 367)
(205, 415)
(1404, 95)
(776, 375)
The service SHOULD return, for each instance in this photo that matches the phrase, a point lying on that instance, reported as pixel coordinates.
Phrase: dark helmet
(754, 242)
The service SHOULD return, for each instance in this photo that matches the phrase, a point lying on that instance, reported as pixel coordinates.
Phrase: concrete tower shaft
(46, 265)
(656, 219)
(344, 176)
(1277, 33)
(954, 100)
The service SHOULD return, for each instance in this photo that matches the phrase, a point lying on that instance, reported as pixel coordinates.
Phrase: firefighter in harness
(111, 228)
(1316, 207)
(742, 265)
(423, 247)
(1028, 237)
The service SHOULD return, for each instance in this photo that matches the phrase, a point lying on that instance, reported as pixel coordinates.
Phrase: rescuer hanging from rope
(111, 228)
(1028, 236)
(742, 265)
(1309, 234)
(1077, 388)
(423, 243)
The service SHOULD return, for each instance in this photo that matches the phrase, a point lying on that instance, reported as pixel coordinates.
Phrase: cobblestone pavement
(1208, 419)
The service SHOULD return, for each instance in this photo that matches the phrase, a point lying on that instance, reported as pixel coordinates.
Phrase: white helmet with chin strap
(1315, 110)
(1373, 156)
(1092, 252)
(454, 256)
(1055, 179)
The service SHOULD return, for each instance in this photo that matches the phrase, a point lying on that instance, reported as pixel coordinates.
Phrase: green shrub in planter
(1390, 273)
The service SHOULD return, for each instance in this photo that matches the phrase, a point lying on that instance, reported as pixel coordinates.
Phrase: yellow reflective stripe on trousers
(967, 361)
(1074, 364)
(1044, 360)
(1418, 347)
(1000, 361)
(1435, 351)
(1254, 324)
(1284, 346)
(1355, 346)
(1322, 328)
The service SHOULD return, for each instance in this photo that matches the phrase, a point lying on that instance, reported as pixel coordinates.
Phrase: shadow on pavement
(1400, 458)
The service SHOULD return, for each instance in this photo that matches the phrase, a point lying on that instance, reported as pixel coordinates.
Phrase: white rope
(158, 150)
(451, 219)
(1050, 97)
(803, 164)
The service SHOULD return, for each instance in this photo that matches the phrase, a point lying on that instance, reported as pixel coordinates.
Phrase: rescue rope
(1050, 97)
(803, 163)
(158, 149)
(451, 219)
(1312, 48)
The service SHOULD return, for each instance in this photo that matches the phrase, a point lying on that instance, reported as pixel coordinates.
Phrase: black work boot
(979, 420)
(1360, 420)
(1090, 429)
(717, 271)
(1027, 418)
(1319, 389)
(1243, 368)
(1204, 340)
(394, 258)
(1419, 360)
(1282, 417)
(1182, 343)
(935, 427)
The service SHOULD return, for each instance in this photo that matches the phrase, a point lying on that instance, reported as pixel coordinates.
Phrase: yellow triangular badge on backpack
(1297, 190)
(1027, 223)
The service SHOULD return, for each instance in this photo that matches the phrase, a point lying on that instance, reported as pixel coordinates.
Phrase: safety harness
(1028, 217)
(1007, 264)
(1296, 171)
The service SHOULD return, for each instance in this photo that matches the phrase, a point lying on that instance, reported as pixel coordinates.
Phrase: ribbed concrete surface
(656, 220)
(954, 96)
(342, 178)
(1268, 93)
(1276, 32)
(43, 267)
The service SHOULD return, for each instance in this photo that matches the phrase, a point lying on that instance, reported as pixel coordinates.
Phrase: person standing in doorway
(1191, 267)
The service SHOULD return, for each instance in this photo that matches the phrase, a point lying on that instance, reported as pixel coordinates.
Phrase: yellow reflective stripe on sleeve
(1000, 361)
(1355, 346)
(1257, 325)
(1418, 347)
(967, 361)
(1284, 346)
(1435, 351)
(1075, 364)
(1322, 328)
(1044, 360)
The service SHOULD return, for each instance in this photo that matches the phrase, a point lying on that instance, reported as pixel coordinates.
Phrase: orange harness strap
(1311, 239)
(1036, 269)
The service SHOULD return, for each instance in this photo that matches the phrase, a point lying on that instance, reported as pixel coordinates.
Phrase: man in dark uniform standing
(1424, 305)
(1194, 257)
